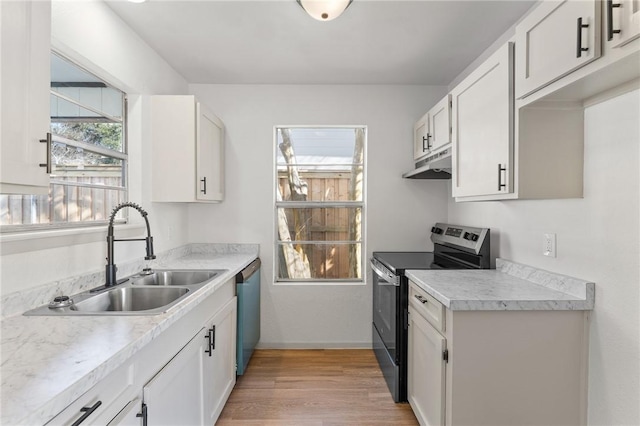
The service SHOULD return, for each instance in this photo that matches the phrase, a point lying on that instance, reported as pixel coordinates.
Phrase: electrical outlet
(549, 245)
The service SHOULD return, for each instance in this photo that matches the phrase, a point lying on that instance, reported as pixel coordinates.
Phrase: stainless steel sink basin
(175, 277)
(141, 294)
(130, 299)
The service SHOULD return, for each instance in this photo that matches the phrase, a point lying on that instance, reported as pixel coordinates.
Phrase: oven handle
(392, 279)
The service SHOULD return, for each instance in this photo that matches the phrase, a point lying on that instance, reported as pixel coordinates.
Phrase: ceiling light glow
(324, 10)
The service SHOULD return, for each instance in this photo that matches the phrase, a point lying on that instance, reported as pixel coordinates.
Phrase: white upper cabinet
(187, 151)
(26, 49)
(433, 130)
(440, 124)
(210, 155)
(482, 121)
(421, 138)
(555, 39)
(622, 22)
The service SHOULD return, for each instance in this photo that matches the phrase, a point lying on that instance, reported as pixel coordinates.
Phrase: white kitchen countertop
(509, 287)
(48, 362)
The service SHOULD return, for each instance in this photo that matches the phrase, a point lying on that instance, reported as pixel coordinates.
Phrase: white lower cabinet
(426, 370)
(183, 377)
(176, 394)
(496, 367)
(100, 404)
(129, 416)
(219, 364)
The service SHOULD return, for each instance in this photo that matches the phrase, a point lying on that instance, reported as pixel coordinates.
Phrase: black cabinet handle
(87, 412)
(204, 185)
(420, 298)
(208, 337)
(579, 48)
(610, 30)
(143, 414)
(426, 139)
(500, 170)
(47, 165)
(212, 330)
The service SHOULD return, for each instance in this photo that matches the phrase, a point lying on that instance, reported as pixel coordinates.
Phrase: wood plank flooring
(313, 388)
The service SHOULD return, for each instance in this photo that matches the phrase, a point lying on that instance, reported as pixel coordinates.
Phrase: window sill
(320, 283)
(22, 242)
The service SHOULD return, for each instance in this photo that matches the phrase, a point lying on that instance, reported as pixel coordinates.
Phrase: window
(88, 179)
(319, 203)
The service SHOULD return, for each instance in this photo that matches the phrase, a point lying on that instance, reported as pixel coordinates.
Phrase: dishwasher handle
(247, 272)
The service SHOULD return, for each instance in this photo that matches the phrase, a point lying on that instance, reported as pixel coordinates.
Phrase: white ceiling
(276, 42)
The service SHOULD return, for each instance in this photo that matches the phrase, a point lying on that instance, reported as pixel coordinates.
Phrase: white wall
(399, 212)
(597, 240)
(91, 35)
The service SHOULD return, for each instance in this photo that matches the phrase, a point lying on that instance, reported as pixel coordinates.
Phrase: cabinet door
(420, 138)
(482, 121)
(129, 416)
(440, 124)
(210, 156)
(173, 151)
(220, 365)
(622, 22)
(175, 395)
(557, 38)
(25, 82)
(425, 371)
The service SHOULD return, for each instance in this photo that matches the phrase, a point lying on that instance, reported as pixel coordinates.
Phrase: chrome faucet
(110, 278)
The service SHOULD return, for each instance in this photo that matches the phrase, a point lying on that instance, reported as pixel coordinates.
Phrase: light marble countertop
(48, 362)
(509, 287)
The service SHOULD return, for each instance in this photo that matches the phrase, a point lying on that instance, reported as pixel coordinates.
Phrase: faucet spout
(111, 269)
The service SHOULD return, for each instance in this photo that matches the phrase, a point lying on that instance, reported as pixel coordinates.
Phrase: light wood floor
(313, 388)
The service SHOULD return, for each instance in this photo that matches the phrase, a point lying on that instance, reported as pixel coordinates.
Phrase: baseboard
(314, 345)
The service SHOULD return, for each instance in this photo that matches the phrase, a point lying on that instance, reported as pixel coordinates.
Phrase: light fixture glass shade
(324, 10)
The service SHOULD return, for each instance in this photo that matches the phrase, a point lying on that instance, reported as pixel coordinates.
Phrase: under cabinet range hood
(434, 166)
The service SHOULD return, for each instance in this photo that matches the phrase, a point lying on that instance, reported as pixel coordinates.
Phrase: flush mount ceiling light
(324, 10)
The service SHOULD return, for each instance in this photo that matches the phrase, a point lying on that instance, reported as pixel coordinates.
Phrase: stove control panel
(463, 237)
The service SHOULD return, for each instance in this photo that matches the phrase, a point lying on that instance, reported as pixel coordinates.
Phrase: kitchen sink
(175, 277)
(147, 293)
(130, 299)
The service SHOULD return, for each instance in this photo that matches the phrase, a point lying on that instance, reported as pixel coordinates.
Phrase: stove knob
(470, 236)
(436, 230)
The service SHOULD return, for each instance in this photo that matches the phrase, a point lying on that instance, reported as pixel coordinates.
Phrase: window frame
(320, 204)
(123, 156)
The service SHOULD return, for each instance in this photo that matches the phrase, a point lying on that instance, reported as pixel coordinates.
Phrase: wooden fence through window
(326, 261)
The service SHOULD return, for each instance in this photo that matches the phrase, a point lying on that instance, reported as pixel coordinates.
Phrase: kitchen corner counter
(48, 361)
(509, 287)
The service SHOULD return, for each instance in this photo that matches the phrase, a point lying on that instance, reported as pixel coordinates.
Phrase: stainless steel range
(455, 247)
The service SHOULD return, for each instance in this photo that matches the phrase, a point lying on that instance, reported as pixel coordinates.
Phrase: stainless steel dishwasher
(248, 292)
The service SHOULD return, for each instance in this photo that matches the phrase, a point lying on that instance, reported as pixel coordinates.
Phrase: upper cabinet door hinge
(445, 355)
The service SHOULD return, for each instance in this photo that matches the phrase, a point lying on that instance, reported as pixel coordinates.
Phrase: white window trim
(323, 283)
(22, 242)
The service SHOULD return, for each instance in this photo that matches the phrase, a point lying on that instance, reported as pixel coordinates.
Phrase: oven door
(386, 309)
